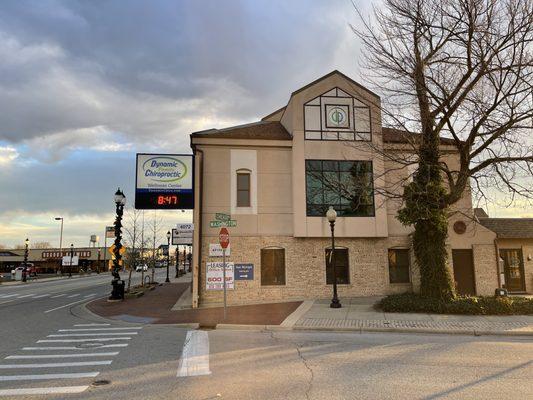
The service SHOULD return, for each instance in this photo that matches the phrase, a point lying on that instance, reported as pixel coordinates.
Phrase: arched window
(243, 188)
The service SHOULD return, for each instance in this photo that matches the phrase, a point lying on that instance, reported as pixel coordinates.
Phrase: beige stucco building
(274, 177)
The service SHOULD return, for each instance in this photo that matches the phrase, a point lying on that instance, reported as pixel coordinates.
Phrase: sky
(85, 85)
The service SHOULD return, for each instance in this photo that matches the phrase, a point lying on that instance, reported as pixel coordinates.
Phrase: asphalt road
(49, 346)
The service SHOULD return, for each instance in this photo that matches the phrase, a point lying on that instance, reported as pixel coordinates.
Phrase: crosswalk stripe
(56, 365)
(73, 375)
(5, 296)
(92, 324)
(41, 295)
(99, 329)
(45, 390)
(81, 340)
(17, 357)
(89, 295)
(73, 295)
(7, 301)
(58, 295)
(94, 334)
(73, 347)
(194, 358)
(23, 296)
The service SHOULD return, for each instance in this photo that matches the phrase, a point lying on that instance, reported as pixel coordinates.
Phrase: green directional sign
(218, 224)
(222, 217)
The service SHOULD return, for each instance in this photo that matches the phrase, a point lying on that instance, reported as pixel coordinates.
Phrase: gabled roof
(509, 228)
(265, 130)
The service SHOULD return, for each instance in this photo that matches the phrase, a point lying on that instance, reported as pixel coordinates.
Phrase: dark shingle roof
(266, 130)
(391, 135)
(510, 228)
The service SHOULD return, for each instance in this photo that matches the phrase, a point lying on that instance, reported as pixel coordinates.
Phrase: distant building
(49, 260)
(272, 176)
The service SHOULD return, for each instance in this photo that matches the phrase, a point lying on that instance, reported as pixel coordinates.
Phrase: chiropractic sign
(164, 181)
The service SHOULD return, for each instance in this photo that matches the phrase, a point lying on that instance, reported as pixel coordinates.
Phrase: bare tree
(132, 240)
(155, 230)
(42, 245)
(460, 69)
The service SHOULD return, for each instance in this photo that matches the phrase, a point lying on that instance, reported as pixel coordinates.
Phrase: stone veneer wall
(485, 269)
(305, 269)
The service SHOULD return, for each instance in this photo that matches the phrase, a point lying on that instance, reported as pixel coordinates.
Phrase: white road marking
(56, 365)
(41, 295)
(45, 390)
(73, 295)
(194, 359)
(89, 295)
(98, 329)
(73, 375)
(73, 347)
(26, 295)
(94, 334)
(61, 356)
(92, 324)
(81, 340)
(5, 296)
(59, 295)
(66, 305)
(8, 301)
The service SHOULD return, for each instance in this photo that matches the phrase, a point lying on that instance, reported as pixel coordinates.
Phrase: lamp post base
(335, 303)
(118, 290)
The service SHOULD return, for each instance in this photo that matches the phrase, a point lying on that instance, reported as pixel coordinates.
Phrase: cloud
(7, 155)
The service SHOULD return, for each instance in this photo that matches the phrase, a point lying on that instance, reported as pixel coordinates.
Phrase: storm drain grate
(101, 382)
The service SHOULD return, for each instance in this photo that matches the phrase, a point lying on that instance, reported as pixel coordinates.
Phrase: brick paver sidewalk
(359, 315)
(155, 307)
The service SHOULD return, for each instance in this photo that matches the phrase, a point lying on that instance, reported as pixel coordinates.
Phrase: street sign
(217, 224)
(185, 227)
(244, 272)
(181, 237)
(109, 232)
(215, 250)
(70, 262)
(223, 238)
(222, 217)
(111, 249)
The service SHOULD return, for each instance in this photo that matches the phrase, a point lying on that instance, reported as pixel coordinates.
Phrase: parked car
(141, 267)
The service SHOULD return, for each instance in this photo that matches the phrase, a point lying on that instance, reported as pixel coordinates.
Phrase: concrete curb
(293, 318)
(469, 332)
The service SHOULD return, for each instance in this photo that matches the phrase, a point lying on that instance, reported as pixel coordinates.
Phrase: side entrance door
(463, 271)
(514, 269)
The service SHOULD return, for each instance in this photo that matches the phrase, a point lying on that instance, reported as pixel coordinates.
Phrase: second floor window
(346, 185)
(243, 189)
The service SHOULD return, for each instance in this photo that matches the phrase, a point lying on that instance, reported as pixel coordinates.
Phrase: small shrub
(467, 305)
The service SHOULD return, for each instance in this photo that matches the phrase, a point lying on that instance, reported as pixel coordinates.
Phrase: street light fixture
(168, 255)
(60, 244)
(118, 286)
(331, 215)
(25, 270)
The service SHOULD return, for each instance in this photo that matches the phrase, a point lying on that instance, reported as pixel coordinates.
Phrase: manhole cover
(89, 345)
(101, 382)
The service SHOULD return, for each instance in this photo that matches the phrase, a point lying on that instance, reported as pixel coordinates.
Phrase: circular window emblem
(337, 116)
(459, 227)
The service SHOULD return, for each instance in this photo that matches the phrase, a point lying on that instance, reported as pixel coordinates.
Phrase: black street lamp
(177, 261)
(25, 270)
(118, 287)
(168, 255)
(331, 215)
(71, 258)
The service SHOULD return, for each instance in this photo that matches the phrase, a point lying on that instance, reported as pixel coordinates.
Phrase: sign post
(223, 238)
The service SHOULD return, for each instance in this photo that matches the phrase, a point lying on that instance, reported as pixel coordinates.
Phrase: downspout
(200, 208)
(498, 266)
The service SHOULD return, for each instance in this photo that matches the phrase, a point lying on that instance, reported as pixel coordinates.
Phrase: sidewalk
(48, 279)
(166, 305)
(358, 314)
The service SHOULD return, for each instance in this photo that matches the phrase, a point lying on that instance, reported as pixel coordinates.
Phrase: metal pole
(224, 279)
(71, 257)
(61, 248)
(168, 259)
(105, 248)
(335, 303)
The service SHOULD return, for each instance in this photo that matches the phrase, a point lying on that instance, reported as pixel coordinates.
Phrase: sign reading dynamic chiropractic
(181, 237)
(215, 276)
(164, 181)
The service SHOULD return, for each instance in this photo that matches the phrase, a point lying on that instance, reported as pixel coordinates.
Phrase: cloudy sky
(84, 85)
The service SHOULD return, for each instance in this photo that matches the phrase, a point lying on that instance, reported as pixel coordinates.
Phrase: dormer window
(336, 115)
